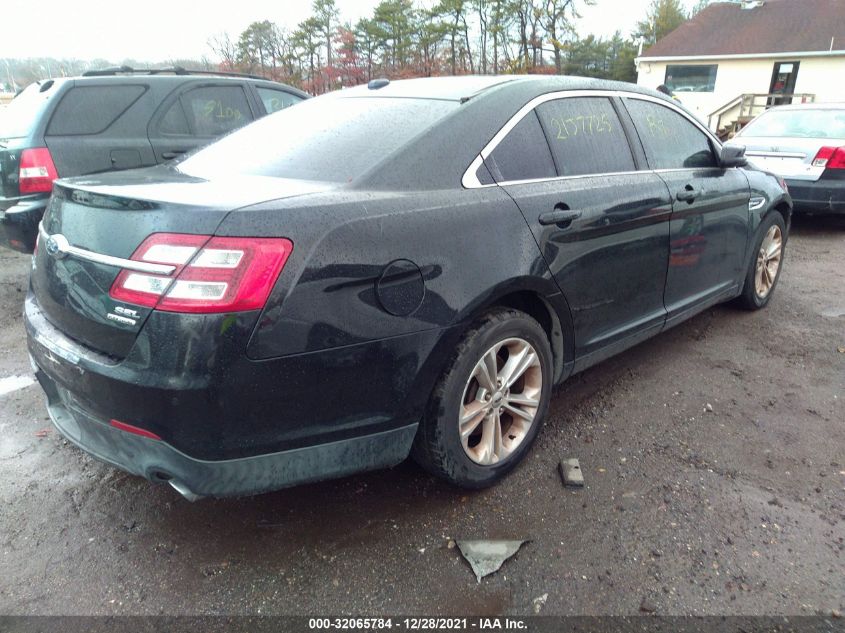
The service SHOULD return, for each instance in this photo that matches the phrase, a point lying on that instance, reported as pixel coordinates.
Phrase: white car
(805, 145)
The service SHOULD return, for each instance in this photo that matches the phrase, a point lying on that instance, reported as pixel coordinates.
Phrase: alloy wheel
(768, 261)
(500, 401)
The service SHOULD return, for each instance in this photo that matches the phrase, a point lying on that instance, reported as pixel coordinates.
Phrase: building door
(784, 75)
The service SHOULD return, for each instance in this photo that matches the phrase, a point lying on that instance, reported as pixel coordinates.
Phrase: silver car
(805, 145)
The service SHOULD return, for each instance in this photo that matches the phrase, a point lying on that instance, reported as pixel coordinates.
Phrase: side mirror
(732, 156)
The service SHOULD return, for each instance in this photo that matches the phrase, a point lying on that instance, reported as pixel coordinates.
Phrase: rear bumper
(19, 220)
(229, 425)
(158, 461)
(821, 196)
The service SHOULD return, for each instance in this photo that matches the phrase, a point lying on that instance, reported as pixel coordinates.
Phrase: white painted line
(13, 383)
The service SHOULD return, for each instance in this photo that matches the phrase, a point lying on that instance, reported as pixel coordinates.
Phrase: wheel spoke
(486, 370)
(772, 268)
(774, 250)
(473, 414)
(498, 446)
(517, 365)
(488, 438)
(523, 400)
(517, 411)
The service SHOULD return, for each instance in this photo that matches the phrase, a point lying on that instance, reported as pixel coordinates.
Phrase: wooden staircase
(730, 118)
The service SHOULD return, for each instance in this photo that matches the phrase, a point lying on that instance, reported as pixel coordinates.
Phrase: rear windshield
(19, 117)
(330, 138)
(798, 124)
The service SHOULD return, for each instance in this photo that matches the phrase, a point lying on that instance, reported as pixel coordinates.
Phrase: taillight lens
(830, 158)
(37, 171)
(129, 428)
(213, 274)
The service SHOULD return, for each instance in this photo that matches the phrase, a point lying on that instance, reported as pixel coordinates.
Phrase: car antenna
(375, 84)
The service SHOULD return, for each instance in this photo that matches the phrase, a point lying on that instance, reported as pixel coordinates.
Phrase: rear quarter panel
(469, 246)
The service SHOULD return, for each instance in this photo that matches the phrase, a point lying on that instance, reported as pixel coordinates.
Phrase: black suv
(115, 119)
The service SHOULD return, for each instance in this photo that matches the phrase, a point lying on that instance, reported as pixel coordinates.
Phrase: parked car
(805, 144)
(412, 270)
(114, 119)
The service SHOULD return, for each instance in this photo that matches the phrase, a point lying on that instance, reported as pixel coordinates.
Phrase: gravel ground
(738, 510)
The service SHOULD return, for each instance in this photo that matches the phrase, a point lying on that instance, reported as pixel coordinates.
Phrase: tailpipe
(183, 490)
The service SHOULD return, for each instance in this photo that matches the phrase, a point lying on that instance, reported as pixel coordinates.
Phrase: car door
(602, 224)
(197, 115)
(709, 226)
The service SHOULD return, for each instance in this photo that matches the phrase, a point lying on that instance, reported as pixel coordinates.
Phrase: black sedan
(400, 268)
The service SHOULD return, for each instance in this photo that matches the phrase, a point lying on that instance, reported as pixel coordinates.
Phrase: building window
(691, 78)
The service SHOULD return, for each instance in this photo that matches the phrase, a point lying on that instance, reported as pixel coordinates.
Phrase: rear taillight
(213, 274)
(37, 171)
(830, 158)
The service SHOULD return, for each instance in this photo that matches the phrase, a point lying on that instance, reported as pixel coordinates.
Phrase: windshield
(20, 115)
(332, 139)
(798, 124)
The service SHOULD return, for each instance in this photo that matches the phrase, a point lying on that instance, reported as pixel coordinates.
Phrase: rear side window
(329, 138)
(215, 110)
(585, 136)
(275, 100)
(523, 154)
(670, 141)
(92, 109)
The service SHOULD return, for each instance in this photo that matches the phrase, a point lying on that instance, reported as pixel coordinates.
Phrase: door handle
(173, 154)
(562, 217)
(687, 194)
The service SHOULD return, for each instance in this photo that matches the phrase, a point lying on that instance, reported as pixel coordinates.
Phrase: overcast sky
(158, 30)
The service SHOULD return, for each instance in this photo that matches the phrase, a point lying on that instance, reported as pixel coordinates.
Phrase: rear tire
(766, 263)
(489, 403)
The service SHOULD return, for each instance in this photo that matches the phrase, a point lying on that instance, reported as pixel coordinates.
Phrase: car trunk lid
(787, 157)
(109, 217)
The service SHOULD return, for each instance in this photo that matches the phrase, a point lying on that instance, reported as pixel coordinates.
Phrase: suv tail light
(213, 274)
(830, 158)
(37, 171)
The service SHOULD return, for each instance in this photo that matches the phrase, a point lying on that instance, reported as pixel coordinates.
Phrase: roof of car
(772, 26)
(465, 87)
(166, 79)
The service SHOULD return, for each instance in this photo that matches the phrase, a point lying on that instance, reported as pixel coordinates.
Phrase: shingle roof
(778, 26)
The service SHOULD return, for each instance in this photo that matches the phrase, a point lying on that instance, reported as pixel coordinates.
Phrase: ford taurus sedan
(804, 144)
(400, 268)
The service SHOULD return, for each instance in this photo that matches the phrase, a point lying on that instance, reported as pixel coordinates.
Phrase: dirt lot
(686, 511)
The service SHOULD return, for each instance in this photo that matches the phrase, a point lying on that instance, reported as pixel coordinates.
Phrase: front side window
(691, 78)
(215, 110)
(585, 136)
(275, 100)
(669, 139)
(523, 154)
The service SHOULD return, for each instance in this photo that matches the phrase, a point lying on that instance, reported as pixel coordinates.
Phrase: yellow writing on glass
(214, 108)
(584, 124)
(657, 127)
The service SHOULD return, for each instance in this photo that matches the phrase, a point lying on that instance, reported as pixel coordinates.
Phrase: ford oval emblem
(54, 248)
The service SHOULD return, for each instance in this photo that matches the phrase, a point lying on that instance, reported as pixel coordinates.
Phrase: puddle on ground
(13, 383)
(836, 311)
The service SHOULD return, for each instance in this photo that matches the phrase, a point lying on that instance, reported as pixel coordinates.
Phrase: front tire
(766, 265)
(489, 403)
